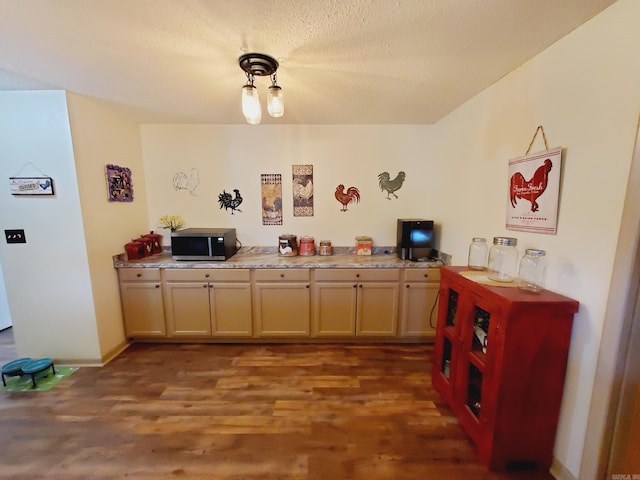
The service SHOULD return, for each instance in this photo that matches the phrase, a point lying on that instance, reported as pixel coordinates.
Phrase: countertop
(251, 257)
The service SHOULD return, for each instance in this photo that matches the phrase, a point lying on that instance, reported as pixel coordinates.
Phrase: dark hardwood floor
(242, 412)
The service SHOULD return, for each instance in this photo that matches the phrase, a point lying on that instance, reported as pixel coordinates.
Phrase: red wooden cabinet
(500, 362)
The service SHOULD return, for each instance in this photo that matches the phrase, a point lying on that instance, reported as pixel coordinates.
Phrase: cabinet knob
(204, 285)
(357, 275)
(282, 275)
(406, 286)
(307, 286)
(206, 275)
(157, 286)
(355, 286)
(426, 275)
(138, 275)
(360, 286)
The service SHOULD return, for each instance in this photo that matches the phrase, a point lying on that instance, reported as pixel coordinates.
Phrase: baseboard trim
(114, 352)
(84, 362)
(560, 472)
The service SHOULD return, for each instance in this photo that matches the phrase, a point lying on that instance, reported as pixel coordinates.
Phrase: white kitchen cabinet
(142, 305)
(282, 302)
(356, 302)
(208, 302)
(419, 291)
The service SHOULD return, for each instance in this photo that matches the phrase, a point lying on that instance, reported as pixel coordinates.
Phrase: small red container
(307, 246)
(134, 250)
(148, 245)
(156, 242)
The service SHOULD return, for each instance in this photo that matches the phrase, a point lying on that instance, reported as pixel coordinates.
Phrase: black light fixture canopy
(258, 64)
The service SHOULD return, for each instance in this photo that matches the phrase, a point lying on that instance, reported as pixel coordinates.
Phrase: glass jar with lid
(478, 254)
(503, 259)
(532, 268)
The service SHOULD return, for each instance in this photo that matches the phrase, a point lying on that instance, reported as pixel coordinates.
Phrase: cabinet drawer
(139, 274)
(207, 275)
(357, 274)
(422, 275)
(282, 274)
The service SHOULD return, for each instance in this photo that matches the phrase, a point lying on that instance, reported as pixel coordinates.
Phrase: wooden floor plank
(250, 412)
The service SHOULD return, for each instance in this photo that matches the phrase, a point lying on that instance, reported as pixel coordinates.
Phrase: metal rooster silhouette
(352, 195)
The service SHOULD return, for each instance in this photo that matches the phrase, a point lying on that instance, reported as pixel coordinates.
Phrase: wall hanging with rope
(534, 189)
(39, 184)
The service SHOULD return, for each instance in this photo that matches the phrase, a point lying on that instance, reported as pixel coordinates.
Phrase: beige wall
(100, 138)
(47, 279)
(584, 91)
(229, 157)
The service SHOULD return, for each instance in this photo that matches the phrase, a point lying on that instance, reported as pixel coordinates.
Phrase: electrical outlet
(15, 236)
(445, 257)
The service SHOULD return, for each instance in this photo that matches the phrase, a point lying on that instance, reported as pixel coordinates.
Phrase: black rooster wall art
(227, 201)
(391, 186)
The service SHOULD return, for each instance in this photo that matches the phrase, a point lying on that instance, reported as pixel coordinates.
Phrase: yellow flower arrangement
(171, 222)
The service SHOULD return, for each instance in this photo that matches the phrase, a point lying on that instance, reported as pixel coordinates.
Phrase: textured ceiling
(341, 61)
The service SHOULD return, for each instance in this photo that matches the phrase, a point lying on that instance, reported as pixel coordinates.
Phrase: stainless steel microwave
(203, 244)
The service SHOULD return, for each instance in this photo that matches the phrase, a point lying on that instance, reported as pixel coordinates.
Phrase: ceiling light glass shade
(275, 101)
(251, 105)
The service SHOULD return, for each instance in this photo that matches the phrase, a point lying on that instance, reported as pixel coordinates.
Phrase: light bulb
(275, 101)
(251, 105)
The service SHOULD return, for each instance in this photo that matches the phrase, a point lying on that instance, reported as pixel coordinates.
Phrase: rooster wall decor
(530, 189)
(352, 195)
(227, 201)
(182, 181)
(391, 186)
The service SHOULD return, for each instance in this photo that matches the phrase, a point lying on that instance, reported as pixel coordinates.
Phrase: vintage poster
(534, 189)
(271, 198)
(302, 190)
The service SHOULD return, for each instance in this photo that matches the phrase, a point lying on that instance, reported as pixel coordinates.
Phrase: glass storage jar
(478, 254)
(503, 259)
(532, 268)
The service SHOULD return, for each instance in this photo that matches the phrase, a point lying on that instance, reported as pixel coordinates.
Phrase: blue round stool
(36, 366)
(14, 368)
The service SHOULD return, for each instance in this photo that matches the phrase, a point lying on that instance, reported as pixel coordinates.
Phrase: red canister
(156, 241)
(148, 245)
(134, 250)
(307, 246)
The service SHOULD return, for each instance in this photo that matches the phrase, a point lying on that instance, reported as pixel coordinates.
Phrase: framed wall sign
(119, 184)
(31, 185)
(534, 188)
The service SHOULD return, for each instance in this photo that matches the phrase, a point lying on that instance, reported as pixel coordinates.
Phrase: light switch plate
(15, 236)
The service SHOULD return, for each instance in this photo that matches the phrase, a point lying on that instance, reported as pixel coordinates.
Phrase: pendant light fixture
(258, 64)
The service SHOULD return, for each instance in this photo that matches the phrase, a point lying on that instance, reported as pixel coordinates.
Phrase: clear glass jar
(478, 254)
(503, 259)
(532, 268)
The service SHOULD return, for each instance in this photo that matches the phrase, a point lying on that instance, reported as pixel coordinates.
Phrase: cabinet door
(187, 306)
(377, 309)
(282, 309)
(419, 309)
(447, 347)
(142, 309)
(335, 308)
(231, 312)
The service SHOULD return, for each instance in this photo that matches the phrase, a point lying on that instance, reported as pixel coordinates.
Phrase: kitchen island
(258, 296)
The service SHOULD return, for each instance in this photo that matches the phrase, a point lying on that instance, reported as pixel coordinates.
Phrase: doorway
(5, 316)
(625, 442)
